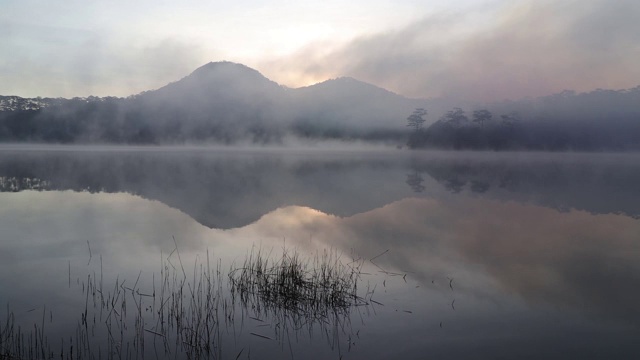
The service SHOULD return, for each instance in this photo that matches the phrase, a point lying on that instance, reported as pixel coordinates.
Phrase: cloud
(75, 62)
(529, 48)
(495, 50)
(154, 65)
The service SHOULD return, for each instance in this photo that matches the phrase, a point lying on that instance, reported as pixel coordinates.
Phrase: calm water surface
(463, 255)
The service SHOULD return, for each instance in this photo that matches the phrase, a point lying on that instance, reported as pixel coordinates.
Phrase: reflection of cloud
(529, 48)
(573, 259)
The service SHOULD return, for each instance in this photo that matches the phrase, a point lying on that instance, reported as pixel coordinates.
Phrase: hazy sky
(472, 49)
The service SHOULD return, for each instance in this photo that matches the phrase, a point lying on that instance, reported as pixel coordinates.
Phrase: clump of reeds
(313, 287)
(181, 313)
(176, 317)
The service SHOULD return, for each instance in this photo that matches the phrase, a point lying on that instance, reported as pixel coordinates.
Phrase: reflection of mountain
(227, 189)
(218, 189)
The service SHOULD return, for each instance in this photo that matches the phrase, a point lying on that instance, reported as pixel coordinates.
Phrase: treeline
(227, 103)
(126, 121)
(138, 120)
(596, 121)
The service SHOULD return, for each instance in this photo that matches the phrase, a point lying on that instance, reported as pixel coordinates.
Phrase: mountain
(234, 95)
(223, 89)
(227, 103)
(221, 102)
(348, 102)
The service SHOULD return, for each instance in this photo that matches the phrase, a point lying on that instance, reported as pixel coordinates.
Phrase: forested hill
(594, 121)
(219, 102)
(229, 103)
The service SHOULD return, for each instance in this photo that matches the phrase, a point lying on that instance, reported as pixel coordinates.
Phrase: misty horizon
(450, 98)
(228, 103)
(486, 50)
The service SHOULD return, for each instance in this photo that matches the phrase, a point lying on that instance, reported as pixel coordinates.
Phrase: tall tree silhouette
(455, 117)
(481, 116)
(416, 120)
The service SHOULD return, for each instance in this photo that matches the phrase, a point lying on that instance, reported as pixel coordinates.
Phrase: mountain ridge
(219, 102)
(32, 103)
(227, 103)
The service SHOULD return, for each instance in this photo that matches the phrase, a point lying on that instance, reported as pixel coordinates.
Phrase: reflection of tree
(559, 182)
(14, 184)
(454, 185)
(479, 186)
(415, 180)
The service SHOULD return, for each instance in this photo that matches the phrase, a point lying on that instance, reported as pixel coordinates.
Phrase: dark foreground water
(125, 253)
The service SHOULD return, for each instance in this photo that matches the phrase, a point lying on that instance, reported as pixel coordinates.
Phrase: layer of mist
(227, 103)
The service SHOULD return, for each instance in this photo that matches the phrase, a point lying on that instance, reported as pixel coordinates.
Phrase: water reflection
(516, 272)
(598, 183)
(225, 189)
(415, 182)
(504, 257)
(573, 259)
(106, 272)
(220, 189)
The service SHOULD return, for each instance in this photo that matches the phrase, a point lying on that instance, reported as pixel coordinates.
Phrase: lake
(133, 252)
